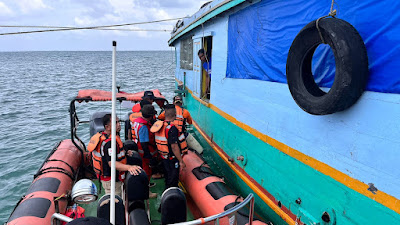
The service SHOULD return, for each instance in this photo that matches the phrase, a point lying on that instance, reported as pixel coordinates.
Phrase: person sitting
(100, 147)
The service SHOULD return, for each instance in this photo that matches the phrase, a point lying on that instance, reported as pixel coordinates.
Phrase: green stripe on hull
(286, 178)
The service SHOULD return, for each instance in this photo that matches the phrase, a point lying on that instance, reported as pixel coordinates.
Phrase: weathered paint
(212, 10)
(289, 174)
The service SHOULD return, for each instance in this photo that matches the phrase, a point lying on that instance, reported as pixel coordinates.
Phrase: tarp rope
(332, 13)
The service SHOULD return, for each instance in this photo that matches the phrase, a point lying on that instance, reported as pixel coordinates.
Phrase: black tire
(351, 67)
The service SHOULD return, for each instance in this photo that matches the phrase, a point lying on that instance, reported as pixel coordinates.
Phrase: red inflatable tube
(54, 179)
(208, 191)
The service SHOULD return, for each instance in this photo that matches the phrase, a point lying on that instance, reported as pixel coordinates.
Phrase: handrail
(60, 217)
(249, 198)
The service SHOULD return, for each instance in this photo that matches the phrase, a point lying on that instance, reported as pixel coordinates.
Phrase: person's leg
(107, 186)
(146, 167)
(174, 175)
(118, 188)
(167, 172)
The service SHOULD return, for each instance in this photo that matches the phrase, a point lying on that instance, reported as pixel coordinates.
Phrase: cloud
(27, 6)
(5, 10)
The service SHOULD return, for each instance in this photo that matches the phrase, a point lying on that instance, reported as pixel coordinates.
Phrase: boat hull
(289, 184)
(54, 179)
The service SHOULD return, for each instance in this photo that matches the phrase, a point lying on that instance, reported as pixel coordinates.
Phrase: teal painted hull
(284, 177)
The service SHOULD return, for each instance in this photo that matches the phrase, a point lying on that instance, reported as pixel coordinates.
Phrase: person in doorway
(100, 146)
(145, 140)
(206, 62)
(170, 145)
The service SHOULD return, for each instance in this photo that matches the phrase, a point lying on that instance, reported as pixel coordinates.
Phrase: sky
(82, 13)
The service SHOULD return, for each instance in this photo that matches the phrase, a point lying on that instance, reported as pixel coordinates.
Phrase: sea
(36, 89)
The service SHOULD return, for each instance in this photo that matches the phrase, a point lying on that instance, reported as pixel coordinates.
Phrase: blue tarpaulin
(259, 38)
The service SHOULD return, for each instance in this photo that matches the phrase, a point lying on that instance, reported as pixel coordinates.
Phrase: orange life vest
(134, 115)
(138, 123)
(161, 137)
(96, 147)
(74, 212)
(180, 120)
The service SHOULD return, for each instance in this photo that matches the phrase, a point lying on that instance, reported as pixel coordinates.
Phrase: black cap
(148, 94)
(148, 111)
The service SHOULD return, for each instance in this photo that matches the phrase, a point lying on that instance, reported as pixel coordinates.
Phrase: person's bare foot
(152, 195)
(157, 176)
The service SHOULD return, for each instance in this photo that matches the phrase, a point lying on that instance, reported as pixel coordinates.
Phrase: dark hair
(170, 110)
(177, 96)
(106, 119)
(200, 51)
(148, 111)
(144, 102)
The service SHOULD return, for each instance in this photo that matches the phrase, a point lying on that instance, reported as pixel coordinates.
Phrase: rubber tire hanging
(351, 67)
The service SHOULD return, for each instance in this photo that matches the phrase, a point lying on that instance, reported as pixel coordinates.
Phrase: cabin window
(186, 56)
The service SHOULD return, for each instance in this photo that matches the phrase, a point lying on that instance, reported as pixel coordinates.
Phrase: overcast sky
(80, 13)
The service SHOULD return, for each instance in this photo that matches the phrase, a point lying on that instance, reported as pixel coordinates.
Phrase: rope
(332, 13)
(54, 169)
(84, 28)
(59, 160)
(58, 27)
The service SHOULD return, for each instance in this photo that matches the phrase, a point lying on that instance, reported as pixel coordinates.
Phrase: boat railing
(230, 214)
(58, 216)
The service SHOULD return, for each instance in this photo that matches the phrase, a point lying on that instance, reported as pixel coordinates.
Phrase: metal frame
(249, 199)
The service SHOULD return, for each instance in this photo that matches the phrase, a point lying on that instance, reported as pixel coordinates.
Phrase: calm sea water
(36, 89)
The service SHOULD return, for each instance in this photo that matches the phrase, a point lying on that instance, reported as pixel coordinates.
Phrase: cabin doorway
(205, 57)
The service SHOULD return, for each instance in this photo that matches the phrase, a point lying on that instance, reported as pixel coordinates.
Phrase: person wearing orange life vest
(145, 140)
(148, 98)
(100, 146)
(170, 144)
(182, 117)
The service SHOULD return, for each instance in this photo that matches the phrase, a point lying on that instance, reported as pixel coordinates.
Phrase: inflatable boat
(65, 189)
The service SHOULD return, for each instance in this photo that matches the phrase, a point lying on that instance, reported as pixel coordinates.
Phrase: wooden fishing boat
(299, 100)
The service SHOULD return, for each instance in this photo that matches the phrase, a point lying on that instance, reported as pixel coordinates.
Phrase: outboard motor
(173, 206)
(137, 190)
(96, 122)
(103, 209)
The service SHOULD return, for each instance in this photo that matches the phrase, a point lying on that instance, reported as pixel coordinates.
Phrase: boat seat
(138, 217)
(96, 122)
(137, 187)
(103, 209)
(173, 206)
